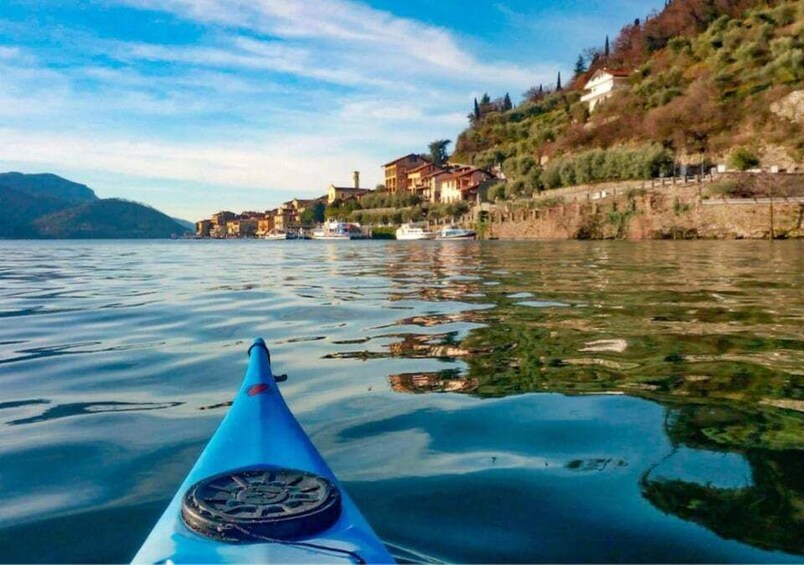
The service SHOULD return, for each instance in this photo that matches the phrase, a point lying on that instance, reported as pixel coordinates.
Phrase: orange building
(462, 184)
(396, 172)
(265, 224)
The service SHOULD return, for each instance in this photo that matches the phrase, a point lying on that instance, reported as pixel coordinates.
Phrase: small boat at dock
(454, 232)
(338, 231)
(411, 232)
(280, 234)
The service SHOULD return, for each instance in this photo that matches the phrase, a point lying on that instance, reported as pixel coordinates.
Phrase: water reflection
(683, 333)
(483, 401)
(439, 381)
(83, 408)
(765, 514)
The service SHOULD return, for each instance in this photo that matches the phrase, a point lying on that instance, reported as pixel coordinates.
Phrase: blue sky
(198, 105)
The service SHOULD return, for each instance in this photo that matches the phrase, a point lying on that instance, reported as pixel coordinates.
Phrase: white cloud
(279, 98)
(9, 52)
(352, 32)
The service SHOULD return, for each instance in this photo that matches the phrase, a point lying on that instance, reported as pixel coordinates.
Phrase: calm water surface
(481, 401)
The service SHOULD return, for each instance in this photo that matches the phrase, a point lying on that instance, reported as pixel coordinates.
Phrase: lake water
(481, 401)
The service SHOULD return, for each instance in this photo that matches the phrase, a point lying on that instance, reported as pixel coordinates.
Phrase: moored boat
(336, 230)
(280, 234)
(454, 232)
(261, 493)
(411, 231)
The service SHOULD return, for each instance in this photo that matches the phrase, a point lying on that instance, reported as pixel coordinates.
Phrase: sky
(194, 106)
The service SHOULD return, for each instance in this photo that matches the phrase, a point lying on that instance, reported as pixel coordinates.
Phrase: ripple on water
(469, 396)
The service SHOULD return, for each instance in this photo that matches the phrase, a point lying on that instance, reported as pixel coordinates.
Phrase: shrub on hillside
(341, 209)
(496, 192)
(729, 188)
(450, 210)
(389, 200)
(616, 163)
(742, 159)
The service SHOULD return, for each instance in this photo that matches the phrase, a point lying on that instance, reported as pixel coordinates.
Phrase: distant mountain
(48, 206)
(189, 226)
(108, 218)
(47, 185)
(20, 209)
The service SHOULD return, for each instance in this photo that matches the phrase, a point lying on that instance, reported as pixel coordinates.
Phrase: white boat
(454, 232)
(280, 234)
(339, 231)
(413, 232)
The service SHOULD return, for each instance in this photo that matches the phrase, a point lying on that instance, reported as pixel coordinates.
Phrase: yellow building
(266, 224)
(346, 192)
(203, 228)
(220, 219)
(433, 181)
(420, 180)
(241, 228)
(462, 184)
(396, 172)
(286, 216)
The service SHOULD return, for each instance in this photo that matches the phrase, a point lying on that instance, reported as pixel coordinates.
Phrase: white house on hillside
(602, 84)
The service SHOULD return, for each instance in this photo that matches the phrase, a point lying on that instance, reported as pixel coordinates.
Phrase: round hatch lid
(261, 504)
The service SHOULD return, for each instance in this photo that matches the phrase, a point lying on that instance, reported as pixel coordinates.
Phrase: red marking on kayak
(254, 390)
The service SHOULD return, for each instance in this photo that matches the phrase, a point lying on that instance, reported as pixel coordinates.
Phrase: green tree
(507, 104)
(580, 66)
(476, 111)
(438, 151)
(342, 209)
(314, 214)
(606, 50)
(558, 82)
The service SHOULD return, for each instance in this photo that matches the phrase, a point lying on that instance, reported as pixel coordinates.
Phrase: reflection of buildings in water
(427, 321)
(451, 259)
(430, 382)
(437, 345)
(428, 271)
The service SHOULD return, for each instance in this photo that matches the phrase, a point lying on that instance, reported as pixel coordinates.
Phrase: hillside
(20, 209)
(709, 81)
(108, 219)
(187, 225)
(48, 206)
(47, 185)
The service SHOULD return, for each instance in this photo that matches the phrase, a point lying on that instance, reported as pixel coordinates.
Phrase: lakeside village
(415, 182)
(351, 212)
(432, 197)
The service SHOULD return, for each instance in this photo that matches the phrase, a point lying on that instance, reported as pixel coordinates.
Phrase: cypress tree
(558, 82)
(606, 49)
(507, 105)
(580, 66)
(541, 90)
(476, 111)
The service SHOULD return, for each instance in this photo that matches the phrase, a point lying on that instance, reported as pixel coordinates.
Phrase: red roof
(616, 72)
(420, 167)
(436, 173)
(395, 161)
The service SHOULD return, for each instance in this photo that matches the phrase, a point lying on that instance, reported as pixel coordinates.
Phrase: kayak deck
(260, 434)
